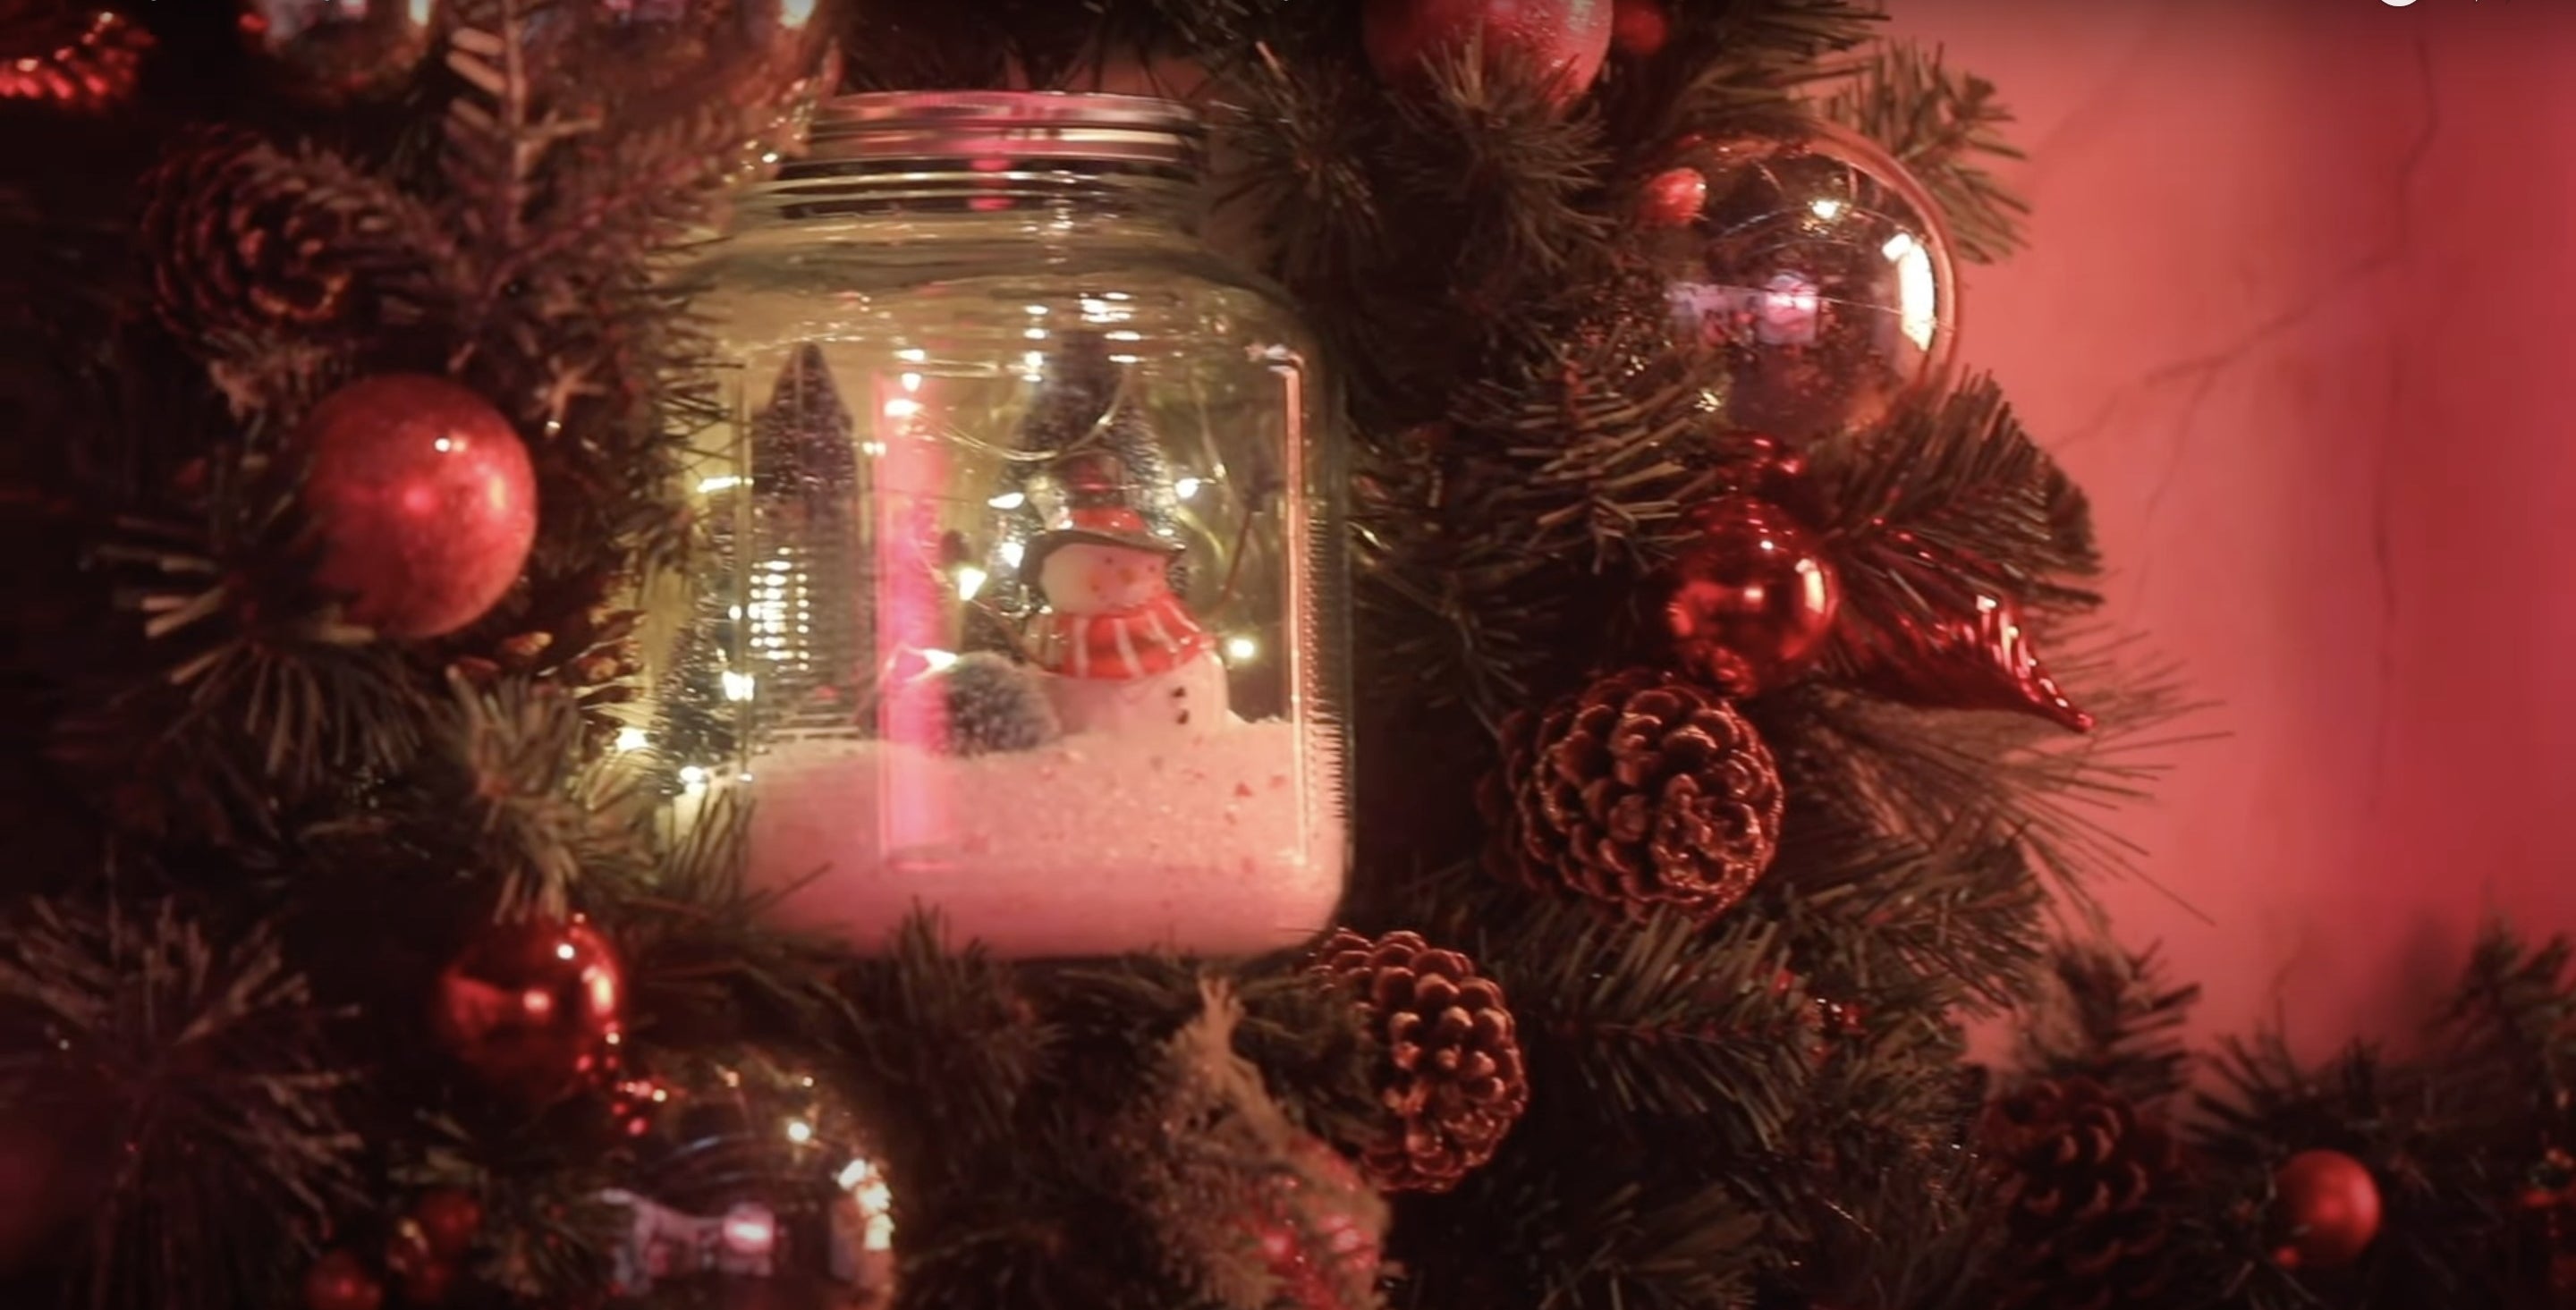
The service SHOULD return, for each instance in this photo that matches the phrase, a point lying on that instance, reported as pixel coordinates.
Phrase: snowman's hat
(1095, 510)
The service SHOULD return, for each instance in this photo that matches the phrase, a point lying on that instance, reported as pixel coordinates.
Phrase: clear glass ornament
(1020, 584)
(1818, 273)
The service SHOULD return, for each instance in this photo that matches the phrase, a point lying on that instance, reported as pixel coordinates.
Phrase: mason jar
(1019, 587)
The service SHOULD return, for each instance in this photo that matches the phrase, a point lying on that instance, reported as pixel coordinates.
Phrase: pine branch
(1655, 1020)
(200, 1065)
(1919, 774)
(945, 1047)
(1945, 127)
(2112, 1018)
(1963, 479)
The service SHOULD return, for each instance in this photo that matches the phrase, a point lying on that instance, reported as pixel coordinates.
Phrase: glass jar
(1020, 593)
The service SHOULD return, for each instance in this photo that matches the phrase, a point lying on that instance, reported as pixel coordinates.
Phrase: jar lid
(1016, 125)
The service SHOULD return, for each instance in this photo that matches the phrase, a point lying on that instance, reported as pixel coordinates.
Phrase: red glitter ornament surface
(73, 57)
(425, 501)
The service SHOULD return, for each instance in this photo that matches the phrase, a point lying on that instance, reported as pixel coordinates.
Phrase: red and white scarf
(1155, 637)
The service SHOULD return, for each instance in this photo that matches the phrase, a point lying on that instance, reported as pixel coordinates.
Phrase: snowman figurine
(1121, 653)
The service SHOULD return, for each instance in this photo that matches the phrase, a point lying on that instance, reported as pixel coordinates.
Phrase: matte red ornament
(450, 1219)
(424, 499)
(1673, 197)
(1639, 28)
(535, 1007)
(1562, 41)
(340, 1281)
(2327, 1206)
(1749, 600)
(82, 58)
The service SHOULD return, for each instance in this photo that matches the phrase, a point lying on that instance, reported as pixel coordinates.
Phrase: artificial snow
(1208, 842)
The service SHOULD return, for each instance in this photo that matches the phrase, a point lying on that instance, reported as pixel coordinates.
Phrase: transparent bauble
(334, 51)
(1018, 595)
(1817, 272)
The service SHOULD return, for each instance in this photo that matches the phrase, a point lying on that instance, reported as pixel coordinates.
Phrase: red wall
(2301, 312)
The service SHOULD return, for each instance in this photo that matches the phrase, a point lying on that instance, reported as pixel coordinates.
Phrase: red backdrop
(2301, 312)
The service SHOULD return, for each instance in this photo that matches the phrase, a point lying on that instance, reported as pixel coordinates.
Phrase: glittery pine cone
(2085, 1177)
(1454, 1083)
(247, 240)
(1641, 790)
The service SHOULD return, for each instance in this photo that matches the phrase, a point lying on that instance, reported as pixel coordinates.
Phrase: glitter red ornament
(340, 1281)
(536, 1008)
(1561, 41)
(1672, 197)
(1639, 28)
(2326, 1205)
(73, 57)
(336, 51)
(1748, 600)
(424, 499)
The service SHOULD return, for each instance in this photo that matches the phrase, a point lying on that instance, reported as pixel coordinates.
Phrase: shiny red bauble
(2326, 1206)
(1748, 600)
(424, 500)
(340, 1281)
(1562, 42)
(1673, 197)
(449, 1219)
(536, 1008)
(1639, 28)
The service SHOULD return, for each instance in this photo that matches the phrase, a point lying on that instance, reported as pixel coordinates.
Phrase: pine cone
(1641, 790)
(246, 239)
(1455, 1083)
(2085, 1176)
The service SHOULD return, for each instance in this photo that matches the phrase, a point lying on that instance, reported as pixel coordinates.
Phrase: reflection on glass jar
(1018, 593)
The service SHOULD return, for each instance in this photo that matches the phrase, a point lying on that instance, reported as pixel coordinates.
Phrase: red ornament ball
(340, 1281)
(1748, 600)
(1673, 197)
(2327, 1206)
(450, 1219)
(534, 1007)
(424, 499)
(1561, 41)
(1639, 28)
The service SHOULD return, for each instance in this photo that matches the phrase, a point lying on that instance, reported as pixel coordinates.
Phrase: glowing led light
(1185, 487)
(872, 448)
(780, 566)
(565, 951)
(721, 482)
(442, 445)
(913, 355)
(750, 1229)
(970, 580)
(902, 407)
(799, 1131)
(633, 739)
(1035, 334)
(1241, 648)
(739, 686)
(1009, 500)
(1012, 552)
(910, 381)
(853, 1174)
(1827, 209)
(693, 776)
(938, 659)
(1035, 311)
(1124, 335)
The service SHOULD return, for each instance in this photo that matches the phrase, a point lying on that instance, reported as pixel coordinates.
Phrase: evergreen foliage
(251, 835)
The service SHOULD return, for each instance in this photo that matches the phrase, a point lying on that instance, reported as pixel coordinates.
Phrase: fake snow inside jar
(1019, 595)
